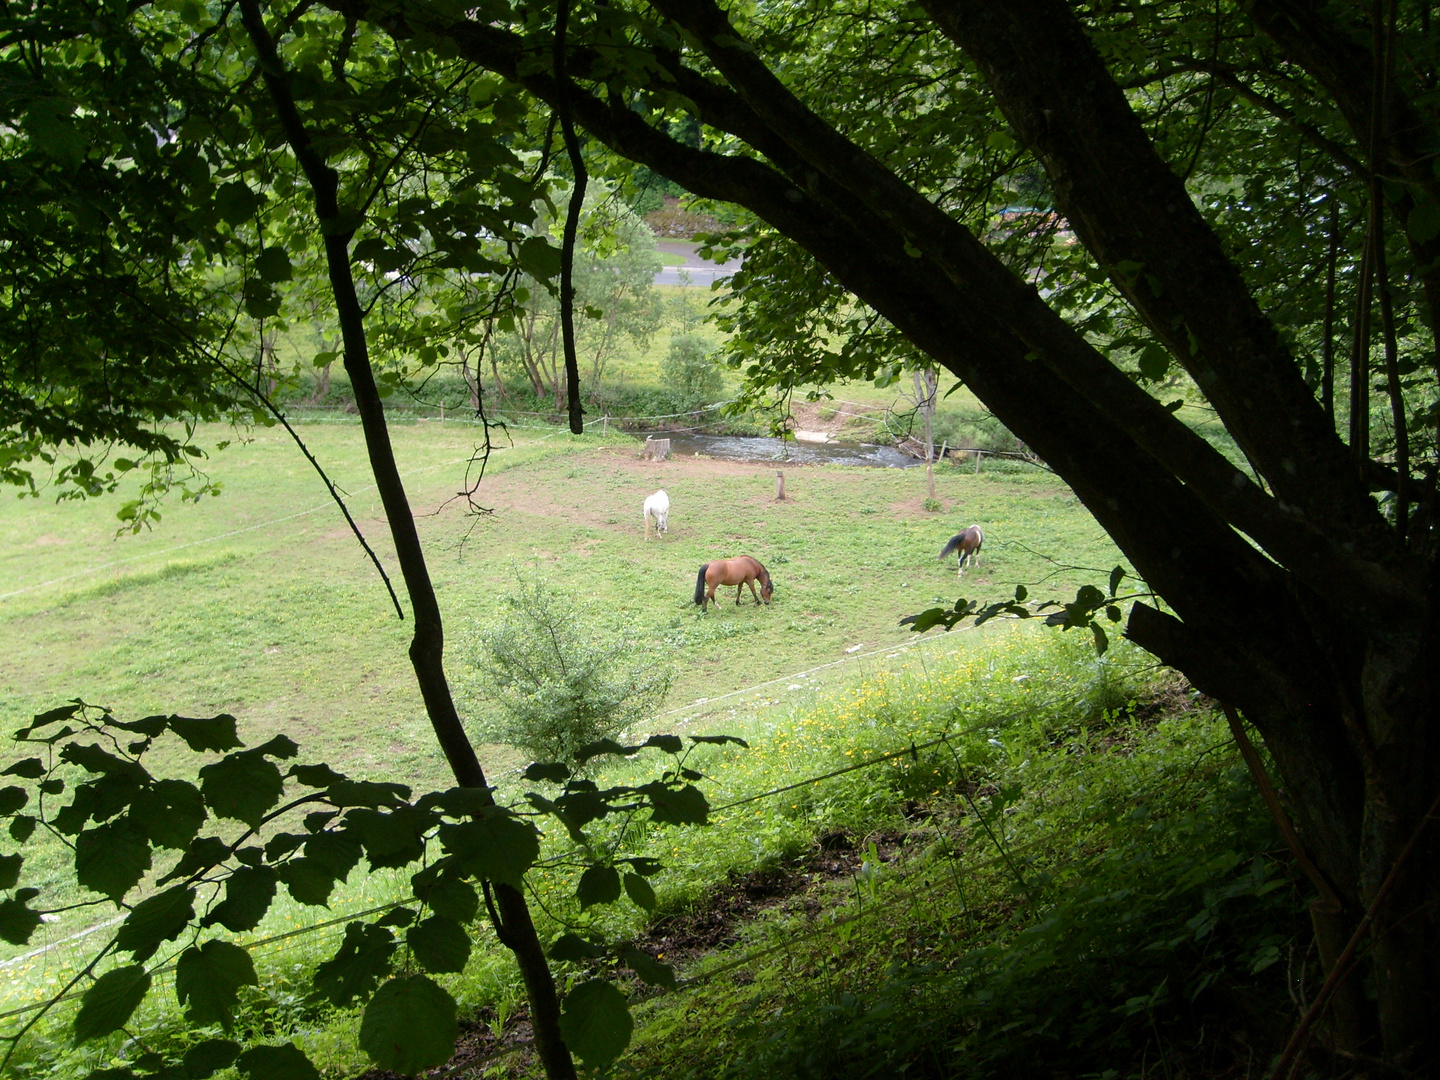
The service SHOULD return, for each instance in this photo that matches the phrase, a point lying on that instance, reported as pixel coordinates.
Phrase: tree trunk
(427, 645)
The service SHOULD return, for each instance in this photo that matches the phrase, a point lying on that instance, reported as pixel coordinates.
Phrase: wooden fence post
(779, 486)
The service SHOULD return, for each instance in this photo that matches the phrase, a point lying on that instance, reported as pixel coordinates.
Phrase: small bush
(558, 684)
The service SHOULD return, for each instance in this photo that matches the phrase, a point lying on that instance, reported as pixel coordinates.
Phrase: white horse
(657, 506)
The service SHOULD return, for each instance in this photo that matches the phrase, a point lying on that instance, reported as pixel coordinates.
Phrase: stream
(757, 448)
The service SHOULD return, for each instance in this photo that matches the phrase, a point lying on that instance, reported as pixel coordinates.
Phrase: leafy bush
(559, 684)
(691, 371)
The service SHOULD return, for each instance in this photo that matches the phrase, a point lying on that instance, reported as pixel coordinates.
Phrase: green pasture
(261, 603)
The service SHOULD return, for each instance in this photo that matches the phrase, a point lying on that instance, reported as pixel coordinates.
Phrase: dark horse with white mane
(739, 571)
(967, 542)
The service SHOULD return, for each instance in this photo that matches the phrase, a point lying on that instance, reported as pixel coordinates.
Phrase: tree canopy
(1067, 206)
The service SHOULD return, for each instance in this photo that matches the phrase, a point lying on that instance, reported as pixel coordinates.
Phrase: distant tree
(615, 266)
(692, 370)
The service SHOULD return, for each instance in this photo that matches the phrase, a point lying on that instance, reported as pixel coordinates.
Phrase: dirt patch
(717, 920)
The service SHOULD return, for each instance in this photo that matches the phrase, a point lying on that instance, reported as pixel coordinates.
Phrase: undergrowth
(1048, 865)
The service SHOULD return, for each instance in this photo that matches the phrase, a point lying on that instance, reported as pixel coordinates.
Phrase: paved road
(695, 270)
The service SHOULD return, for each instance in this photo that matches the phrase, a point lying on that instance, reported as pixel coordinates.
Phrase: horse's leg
(753, 593)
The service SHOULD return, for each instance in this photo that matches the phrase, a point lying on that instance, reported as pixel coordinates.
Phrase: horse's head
(767, 587)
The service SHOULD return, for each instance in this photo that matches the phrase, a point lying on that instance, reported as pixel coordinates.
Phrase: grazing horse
(657, 506)
(739, 571)
(967, 542)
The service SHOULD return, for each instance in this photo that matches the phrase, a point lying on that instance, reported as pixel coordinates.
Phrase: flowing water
(757, 448)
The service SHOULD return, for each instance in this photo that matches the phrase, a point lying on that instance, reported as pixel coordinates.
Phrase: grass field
(260, 602)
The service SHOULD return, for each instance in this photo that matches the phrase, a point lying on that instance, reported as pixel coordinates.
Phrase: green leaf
(284, 1062)
(249, 891)
(639, 890)
(409, 1025)
(111, 859)
(1423, 224)
(307, 881)
(280, 746)
(573, 948)
(439, 944)
(336, 851)
(210, 733)
(1154, 362)
(647, 967)
(400, 916)
(200, 856)
(316, 775)
(149, 726)
(552, 772)
(362, 960)
(538, 258)
(52, 716)
(17, 922)
(162, 917)
(720, 740)
(282, 844)
(205, 1059)
(170, 812)
(1116, 576)
(110, 1002)
(687, 806)
(670, 744)
(273, 264)
(12, 799)
(236, 203)
(10, 870)
(73, 816)
(596, 1023)
(600, 747)
(242, 787)
(447, 896)
(50, 124)
(21, 827)
(497, 846)
(598, 885)
(1102, 640)
(208, 981)
(390, 839)
(28, 768)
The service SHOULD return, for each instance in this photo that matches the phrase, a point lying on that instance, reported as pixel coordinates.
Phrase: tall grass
(1104, 818)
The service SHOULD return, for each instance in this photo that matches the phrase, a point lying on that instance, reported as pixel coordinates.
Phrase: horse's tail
(700, 584)
(952, 545)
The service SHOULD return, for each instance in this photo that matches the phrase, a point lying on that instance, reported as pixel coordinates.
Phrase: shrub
(691, 372)
(557, 683)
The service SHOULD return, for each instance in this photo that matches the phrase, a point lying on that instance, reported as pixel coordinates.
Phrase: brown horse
(739, 571)
(967, 542)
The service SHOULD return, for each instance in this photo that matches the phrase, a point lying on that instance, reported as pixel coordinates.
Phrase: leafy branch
(1083, 611)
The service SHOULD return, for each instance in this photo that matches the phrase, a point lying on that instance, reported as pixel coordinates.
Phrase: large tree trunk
(1291, 598)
